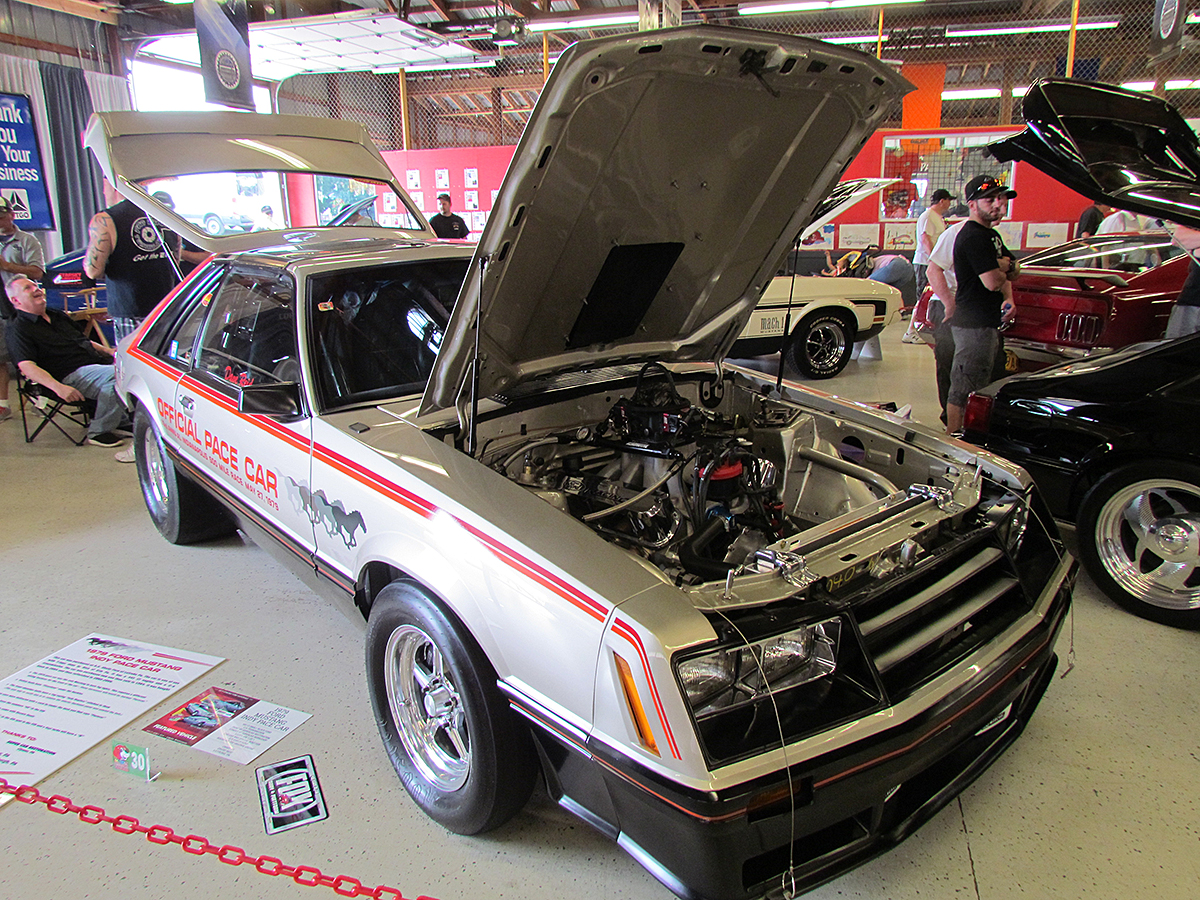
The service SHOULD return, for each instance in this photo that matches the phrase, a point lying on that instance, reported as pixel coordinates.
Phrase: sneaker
(123, 432)
(106, 439)
(911, 338)
(5, 414)
(127, 455)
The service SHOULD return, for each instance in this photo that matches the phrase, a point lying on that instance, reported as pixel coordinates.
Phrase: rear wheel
(213, 224)
(463, 755)
(181, 510)
(821, 345)
(1139, 538)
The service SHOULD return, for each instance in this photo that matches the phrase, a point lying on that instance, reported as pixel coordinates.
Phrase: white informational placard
(857, 235)
(471, 199)
(1012, 233)
(256, 730)
(1045, 234)
(471, 178)
(65, 704)
(413, 179)
(441, 179)
(899, 236)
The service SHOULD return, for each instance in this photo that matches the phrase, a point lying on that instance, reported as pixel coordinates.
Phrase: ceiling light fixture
(582, 23)
(777, 7)
(447, 66)
(507, 32)
(1000, 28)
(971, 94)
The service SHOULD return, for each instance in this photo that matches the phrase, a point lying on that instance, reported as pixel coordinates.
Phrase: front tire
(213, 225)
(820, 346)
(1139, 538)
(182, 511)
(462, 754)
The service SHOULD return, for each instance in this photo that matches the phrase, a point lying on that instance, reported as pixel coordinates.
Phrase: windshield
(223, 203)
(377, 331)
(1120, 253)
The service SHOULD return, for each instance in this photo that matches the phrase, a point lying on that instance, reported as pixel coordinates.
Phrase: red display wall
(472, 176)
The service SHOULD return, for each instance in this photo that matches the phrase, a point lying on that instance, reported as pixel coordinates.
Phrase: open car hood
(659, 182)
(1125, 148)
(137, 151)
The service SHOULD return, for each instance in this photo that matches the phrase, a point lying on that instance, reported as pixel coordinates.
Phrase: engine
(695, 490)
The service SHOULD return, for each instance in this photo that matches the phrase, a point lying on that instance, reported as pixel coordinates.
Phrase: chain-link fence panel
(971, 63)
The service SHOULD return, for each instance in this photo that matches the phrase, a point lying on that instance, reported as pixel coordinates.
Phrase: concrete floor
(1098, 800)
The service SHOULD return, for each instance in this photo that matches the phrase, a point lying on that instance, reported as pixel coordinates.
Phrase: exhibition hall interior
(543, 448)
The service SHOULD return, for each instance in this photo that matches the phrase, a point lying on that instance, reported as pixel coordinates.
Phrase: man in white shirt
(1122, 220)
(930, 225)
(944, 284)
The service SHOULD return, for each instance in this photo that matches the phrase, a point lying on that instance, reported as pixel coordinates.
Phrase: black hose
(691, 553)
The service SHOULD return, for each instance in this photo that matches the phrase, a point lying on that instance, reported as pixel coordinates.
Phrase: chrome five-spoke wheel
(427, 709)
(1140, 539)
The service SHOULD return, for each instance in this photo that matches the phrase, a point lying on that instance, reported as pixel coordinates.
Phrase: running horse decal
(332, 514)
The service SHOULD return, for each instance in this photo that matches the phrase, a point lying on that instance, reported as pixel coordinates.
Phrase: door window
(250, 334)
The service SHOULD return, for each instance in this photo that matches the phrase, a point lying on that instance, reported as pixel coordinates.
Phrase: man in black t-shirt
(124, 249)
(446, 224)
(983, 267)
(50, 350)
(1090, 219)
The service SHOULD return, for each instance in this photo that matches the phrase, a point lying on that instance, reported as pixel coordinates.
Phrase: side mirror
(280, 399)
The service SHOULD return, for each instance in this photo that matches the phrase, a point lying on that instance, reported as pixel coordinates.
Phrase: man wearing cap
(20, 256)
(983, 267)
(446, 224)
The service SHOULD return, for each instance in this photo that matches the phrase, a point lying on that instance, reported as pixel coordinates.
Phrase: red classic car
(1107, 291)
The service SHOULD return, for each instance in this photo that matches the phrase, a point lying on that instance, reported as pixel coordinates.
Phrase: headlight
(735, 676)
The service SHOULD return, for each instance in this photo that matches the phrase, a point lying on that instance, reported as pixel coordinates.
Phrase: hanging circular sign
(1166, 22)
(230, 74)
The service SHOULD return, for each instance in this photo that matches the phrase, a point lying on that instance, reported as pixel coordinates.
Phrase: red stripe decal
(625, 631)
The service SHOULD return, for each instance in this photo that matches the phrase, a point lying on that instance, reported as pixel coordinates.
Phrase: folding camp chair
(41, 407)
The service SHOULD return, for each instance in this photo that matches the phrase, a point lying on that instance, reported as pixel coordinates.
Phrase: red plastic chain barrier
(342, 885)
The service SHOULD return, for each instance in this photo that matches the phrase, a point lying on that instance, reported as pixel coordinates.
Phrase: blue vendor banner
(22, 176)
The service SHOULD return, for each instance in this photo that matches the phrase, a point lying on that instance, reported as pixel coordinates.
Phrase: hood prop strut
(787, 319)
(474, 415)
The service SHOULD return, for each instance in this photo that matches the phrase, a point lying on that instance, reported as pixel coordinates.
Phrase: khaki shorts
(974, 355)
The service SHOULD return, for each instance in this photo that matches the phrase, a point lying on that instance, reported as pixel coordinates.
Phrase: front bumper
(849, 805)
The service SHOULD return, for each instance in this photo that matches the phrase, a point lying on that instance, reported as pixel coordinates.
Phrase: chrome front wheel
(427, 709)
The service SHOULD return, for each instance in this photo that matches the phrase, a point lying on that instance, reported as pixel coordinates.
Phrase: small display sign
(131, 760)
(290, 794)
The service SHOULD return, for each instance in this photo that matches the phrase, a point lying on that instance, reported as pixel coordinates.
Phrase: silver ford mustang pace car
(754, 633)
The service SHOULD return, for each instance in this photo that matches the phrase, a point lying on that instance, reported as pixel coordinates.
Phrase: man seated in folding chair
(49, 349)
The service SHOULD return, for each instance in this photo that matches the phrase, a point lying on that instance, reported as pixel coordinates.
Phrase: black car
(1113, 442)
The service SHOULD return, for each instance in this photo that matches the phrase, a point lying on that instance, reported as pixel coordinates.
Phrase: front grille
(936, 617)
(1078, 328)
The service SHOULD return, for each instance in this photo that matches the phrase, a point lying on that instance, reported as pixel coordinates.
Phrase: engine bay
(701, 477)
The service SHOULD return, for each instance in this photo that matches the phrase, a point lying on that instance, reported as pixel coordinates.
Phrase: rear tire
(213, 225)
(182, 511)
(821, 344)
(1139, 539)
(461, 752)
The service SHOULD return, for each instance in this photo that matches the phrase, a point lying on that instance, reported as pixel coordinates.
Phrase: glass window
(173, 334)
(1122, 253)
(376, 331)
(250, 335)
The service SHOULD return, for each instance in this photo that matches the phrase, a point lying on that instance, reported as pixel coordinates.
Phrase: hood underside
(1125, 148)
(660, 180)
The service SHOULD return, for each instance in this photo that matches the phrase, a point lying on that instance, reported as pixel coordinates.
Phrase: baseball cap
(939, 195)
(445, 197)
(986, 186)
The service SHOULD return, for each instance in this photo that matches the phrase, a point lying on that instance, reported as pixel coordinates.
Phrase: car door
(246, 345)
